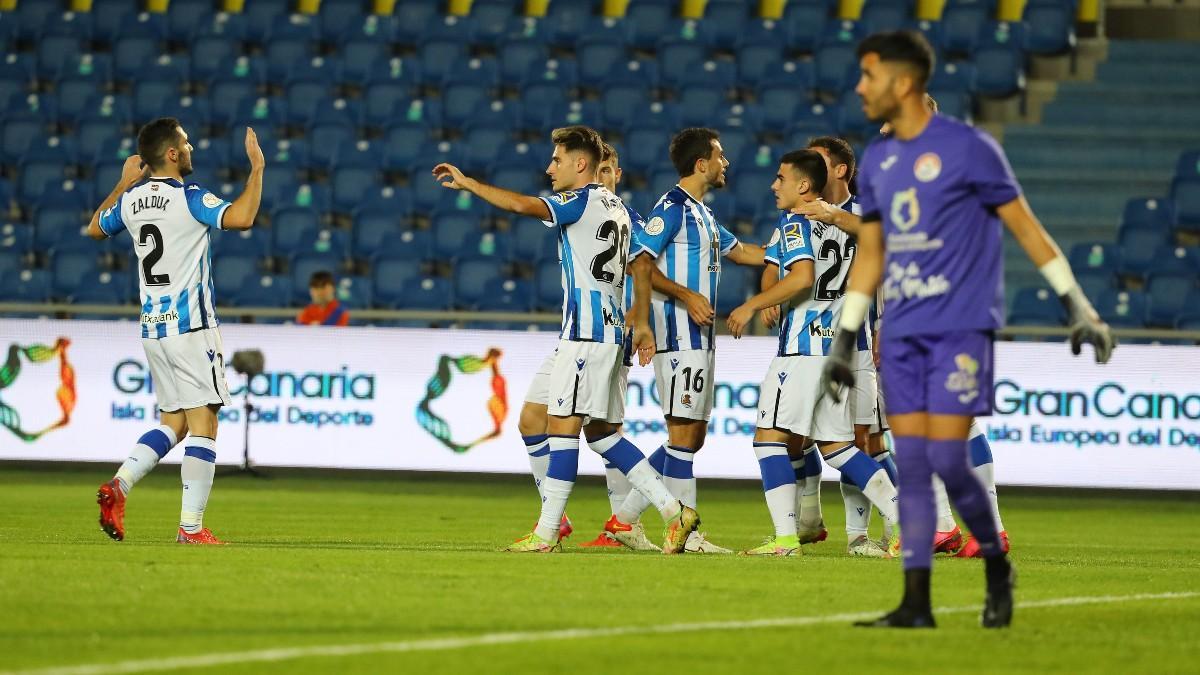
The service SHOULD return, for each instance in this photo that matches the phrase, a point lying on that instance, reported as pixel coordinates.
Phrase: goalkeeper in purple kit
(933, 196)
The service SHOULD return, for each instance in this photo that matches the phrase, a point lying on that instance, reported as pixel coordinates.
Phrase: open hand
(450, 176)
(253, 152)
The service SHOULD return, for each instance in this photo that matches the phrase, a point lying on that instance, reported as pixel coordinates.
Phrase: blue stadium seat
(31, 17)
(460, 101)
(804, 23)
(254, 243)
(851, 120)
(644, 148)
(484, 147)
(781, 103)
(717, 74)
(340, 19)
(751, 186)
(70, 270)
(676, 56)
(450, 234)
(402, 144)
(1168, 296)
(1012, 34)
(184, 16)
(412, 245)
(519, 179)
(551, 79)
(18, 133)
(132, 53)
(350, 184)
(439, 56)
(266, 291)
(151, 97)
(1173, 259)
(548, 286)
(302, 269)
(355, 292)
(565, 22)
(414, 16)
(10, 261)
(364, 46)
(647, 22)
(1138, 248)
(15, 238)
(517, 55)
(1095, 256)
(474, 281)
(487, 245)
(79, 81)
(597, 58)
(1185, 193)
(1095, 282)
(27, 285)
(834, 64)
(962, 24)
(291, 226)
(391, 278)
(332, 245)
(1189, 320)
(324, 141)
(512, 295)
(56, 51)
(700, 105)
(633, 72)
(1051, 28)
(492, 19)
(1036, 307)
(392, 103)
(620, 105)
(233, 272)
(755, 60)
(724, 24)
(879, 16)
(280, 55)
(16, 76)
(733, 290)
(1000, 71)
(1122, 309)
(302, 98)
(1188, 165)
(533, 241)
(452, 27)
(427, 293)
(371, 227)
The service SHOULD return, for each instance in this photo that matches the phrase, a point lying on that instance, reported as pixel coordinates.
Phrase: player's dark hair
(838, 149)
(608, 152)
(810, 164)
(320, 279)
(155, 138)
(902, 46)
(690, 146)
(580, 139)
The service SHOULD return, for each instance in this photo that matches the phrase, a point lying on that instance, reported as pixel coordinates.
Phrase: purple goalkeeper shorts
(949, 374)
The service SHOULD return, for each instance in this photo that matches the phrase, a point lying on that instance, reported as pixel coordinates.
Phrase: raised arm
(131, 173)
(1086, 325)
(241, 213)
(449, 176)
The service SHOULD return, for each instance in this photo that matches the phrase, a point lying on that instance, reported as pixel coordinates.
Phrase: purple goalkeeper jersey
(937, 195)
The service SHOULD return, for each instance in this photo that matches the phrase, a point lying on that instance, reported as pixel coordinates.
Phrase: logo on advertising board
(439, 385)
(10, 416)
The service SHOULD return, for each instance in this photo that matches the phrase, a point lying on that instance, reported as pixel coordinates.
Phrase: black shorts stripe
(775, 415)
(671, 407)
(575, 396)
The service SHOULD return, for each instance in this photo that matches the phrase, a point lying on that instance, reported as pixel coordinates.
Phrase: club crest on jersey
(964, 381)
(686, 400)
(210, 200)
(927, 167)
(906, 211)
(579, 364)
(674, 364)
(565, 197)
(656, 226)
(154, 187)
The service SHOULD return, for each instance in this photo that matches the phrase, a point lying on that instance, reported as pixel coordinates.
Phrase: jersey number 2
(152, 232)
(618, 238)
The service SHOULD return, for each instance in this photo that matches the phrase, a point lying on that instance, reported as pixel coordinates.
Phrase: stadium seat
(363, 46)
(349, 185)
(733, 290)
(355, 292)
(266, 291)
(511, 295)
(255, 242)
(548, 286)
(620, 105)
(485, 146)
(724, 24)
(27, 285)
(292, 225)
(371, 227)
(1124, 309)
(405, 244)
(1173, 259)
(16, 239)
(185, 16)
(460, 101)
(1051, 28)
(961, 25)
(676, 57)
(518, 55)
(475, 280)
(233, 272)
(884, 15)
(330, 244)
(427, 293)
(437, 57)
(804, 24)
(491, 18)
(1168, 296)
(1000, 71)
(302, 269)
(18, 131)
(414, 16)
(1095, 282)
(533, 242)
(597, 58)
(1036, 307)
(1185, 194)
(1188, 165)
(648, 22)
(132, 53)
(565, 22)
(755, 60)
(1096, 256)
(391, 278)
(324, 141)
(70, 270)
(31, 17)
(56, 51)
(450, 233)
(834, 63)
(1137, 252)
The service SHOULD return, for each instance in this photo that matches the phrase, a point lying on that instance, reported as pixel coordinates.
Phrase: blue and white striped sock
(809, 495)
(197, 471)
(151, 447)
(869, 477)
(985, 468)
(538, 448)
(677, 474)
(779, 485)
(646, 481)
(561, 473)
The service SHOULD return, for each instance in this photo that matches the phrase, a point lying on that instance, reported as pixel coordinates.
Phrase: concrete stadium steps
(1101, 93)
(1173, 73)
(1117, 114)
(1037, 153)
(1142, 50)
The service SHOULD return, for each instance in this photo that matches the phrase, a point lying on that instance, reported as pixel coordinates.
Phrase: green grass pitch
(407, 559)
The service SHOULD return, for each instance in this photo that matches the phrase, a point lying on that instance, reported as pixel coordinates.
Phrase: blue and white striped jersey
(687, 243)
(594, 232)
(637, 225)
(807, 327)
(170, 224)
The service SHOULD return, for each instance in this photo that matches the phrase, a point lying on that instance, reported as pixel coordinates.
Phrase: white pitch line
(488, 639)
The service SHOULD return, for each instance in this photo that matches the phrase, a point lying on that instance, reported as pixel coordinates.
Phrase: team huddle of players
(934, 198)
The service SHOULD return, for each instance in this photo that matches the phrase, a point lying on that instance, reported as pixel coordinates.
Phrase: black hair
(581, 139)
(810, 164)
(320, 279)
(839, 150)
(155, 138)
(902, 46)
(690, 146)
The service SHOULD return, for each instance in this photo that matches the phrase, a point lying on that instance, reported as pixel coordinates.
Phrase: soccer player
(685, 242)
(170, 223)
(532, 423)
(939, 190)
(813, 260)
(325, 309)
(593, 231)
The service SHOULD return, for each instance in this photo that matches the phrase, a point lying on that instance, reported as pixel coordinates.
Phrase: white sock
(869, 476)
(945, 517)
(779, 485)
(619, 486)
(649, 484)
(197, 471)
(810, 494)
(561, 471)
(151, 447)
(538, 448)
(858, 511)
(985, 469)
(679, 479)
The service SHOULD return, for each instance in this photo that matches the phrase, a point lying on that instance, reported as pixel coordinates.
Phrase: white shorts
(188, 370)
(790, 398)
(685, 383)
(586, 380)
(866, 390)
(539, 389)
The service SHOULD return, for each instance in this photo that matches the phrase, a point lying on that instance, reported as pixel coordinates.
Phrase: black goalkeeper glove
(1086, 326)
(839, 365)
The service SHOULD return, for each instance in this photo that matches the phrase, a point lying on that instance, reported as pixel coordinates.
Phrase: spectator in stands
(325, 310)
